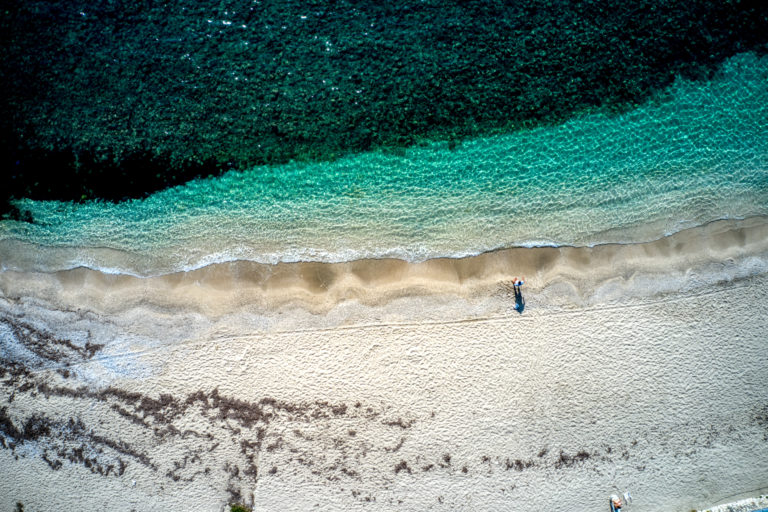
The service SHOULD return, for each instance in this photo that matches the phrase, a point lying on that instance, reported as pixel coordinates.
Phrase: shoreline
(557, 276)
(750, 504)
(17, 255)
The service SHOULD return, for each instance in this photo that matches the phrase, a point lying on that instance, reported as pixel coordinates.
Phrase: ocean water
(695, 154)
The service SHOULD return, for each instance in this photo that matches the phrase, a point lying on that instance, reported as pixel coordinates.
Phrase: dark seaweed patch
(566, 460)
(69, 441)
(402, 466)
(518, 464)
(46, 346)
(254, 427)
(760, 418)
(397, 446)
(400, 423)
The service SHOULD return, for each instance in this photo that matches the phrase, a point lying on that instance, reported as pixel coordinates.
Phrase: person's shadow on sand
(519, 300)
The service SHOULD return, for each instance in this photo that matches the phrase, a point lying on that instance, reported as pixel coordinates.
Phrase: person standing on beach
(519, 301)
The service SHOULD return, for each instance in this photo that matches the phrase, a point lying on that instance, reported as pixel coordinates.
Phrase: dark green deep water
(112, 99)
(335, 131)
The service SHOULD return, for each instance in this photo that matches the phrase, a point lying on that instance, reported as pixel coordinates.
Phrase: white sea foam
(757, 504)
(21, 256)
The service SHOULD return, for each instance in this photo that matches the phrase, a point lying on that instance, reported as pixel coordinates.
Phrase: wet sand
(382, 385)
(570, 276)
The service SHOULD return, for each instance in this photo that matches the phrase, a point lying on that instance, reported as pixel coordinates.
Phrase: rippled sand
(381, 385)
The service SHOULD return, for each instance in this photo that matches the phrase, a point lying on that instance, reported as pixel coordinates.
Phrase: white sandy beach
(393, 386)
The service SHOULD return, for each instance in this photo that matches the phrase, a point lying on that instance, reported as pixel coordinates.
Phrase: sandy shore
(758, 503)
(393, 386)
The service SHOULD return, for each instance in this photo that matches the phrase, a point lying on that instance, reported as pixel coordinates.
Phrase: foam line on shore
(757, 504)
(699, 255)
(23, 256)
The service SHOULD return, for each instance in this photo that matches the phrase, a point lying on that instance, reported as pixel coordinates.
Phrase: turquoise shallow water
(698, 154)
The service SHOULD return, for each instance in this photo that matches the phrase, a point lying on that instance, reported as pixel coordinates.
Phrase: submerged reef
(110, 100)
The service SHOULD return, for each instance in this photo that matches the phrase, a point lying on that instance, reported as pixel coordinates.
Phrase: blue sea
(696, 153)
